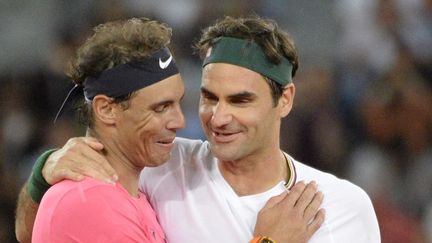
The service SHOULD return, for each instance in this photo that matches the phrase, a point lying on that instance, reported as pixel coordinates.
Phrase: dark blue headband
(126, 78)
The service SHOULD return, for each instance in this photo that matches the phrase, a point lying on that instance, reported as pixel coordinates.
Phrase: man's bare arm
(25, 216)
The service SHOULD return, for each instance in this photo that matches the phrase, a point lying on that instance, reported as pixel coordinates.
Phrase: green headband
(248, 54)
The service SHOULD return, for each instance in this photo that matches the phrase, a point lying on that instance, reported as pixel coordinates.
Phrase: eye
(240, 101)
(161, 108)
(208, 98)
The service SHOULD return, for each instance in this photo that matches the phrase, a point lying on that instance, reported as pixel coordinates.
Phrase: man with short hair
(221, 184)
(133, 108)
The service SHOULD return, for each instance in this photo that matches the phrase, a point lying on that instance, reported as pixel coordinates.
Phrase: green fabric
(248, 54)
(37, 185)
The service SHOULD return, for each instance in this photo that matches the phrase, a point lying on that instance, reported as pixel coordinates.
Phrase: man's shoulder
(349, 209)
(68, 193)
(336, 190)
(307, 173)
(88, 198)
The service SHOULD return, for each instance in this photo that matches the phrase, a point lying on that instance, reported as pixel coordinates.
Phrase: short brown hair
(115, 43)
(275, 42)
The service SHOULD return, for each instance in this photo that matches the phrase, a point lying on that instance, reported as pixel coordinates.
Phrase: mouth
(166, 142)
(224, 137)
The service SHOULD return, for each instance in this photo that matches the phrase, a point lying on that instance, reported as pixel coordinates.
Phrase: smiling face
(237, 112)
(145, 131)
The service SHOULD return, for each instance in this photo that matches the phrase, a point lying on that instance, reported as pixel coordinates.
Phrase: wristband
(37, 185)
(262, 239)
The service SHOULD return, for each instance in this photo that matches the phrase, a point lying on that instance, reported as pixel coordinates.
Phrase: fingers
(98, 169)
(95, 164)
(93, 143)
(292, 216)
(86, 167)
(307, 196)
(316, 223)
(294, 194)
(69, 174)
(314, 205)
(305, 199)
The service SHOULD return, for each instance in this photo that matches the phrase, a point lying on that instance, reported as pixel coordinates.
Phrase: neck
(256, 173)
(128, 173)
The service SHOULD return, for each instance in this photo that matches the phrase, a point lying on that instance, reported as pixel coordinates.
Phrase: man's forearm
(25, 216)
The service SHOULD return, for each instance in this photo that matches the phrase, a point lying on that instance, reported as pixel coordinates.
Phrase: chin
(161, 160)
(224, 154)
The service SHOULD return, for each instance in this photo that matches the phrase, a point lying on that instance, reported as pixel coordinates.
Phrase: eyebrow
(208, 93)
(165, 102)
(233, 97)
(245, 95)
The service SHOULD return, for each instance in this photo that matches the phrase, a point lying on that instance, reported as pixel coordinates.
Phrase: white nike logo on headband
(165, 64)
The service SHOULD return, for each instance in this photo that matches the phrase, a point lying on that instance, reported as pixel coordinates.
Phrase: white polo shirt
(195, 204)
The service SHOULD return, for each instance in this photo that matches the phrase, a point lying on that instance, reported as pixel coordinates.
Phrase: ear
(104, 109)
(286, 100)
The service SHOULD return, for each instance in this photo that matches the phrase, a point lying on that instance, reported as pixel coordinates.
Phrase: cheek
(144, 136)
(253, 118)
(141, 121)
(150, 127)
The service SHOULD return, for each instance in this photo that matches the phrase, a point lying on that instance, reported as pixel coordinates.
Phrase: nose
(221, 115)
(178, 120)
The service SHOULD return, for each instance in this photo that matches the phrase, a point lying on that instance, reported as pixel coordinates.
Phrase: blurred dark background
(363, 108)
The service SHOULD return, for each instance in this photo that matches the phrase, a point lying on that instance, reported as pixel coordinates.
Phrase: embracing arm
(28, 200)
(25, 216)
